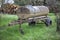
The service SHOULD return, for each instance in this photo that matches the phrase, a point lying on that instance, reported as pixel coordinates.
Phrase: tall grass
(37, 32)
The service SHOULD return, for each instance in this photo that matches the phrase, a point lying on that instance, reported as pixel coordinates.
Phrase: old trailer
(32, 14)
(29, 13)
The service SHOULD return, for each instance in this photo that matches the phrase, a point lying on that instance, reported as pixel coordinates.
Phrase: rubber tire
(47, 24)
(32, 23)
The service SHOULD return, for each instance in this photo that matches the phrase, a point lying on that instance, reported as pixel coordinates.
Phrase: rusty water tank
(37, 9)
(33, 11)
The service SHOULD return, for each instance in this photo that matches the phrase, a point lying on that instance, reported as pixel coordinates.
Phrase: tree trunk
(58, 22)
(58, 18)
(44, 3)
(57, 11)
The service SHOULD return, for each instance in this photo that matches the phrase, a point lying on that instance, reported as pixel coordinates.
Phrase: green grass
(37, 32)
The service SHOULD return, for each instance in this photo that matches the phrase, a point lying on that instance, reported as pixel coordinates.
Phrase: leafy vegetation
(29, 2)
(37, 32)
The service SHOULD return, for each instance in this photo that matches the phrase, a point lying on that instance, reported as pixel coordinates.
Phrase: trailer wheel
(48, 22)
(32, 23)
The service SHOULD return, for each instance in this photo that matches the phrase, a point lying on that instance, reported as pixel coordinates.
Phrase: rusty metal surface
(33, 11)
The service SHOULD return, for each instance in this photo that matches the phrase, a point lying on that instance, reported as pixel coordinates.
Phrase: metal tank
(33, 11)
